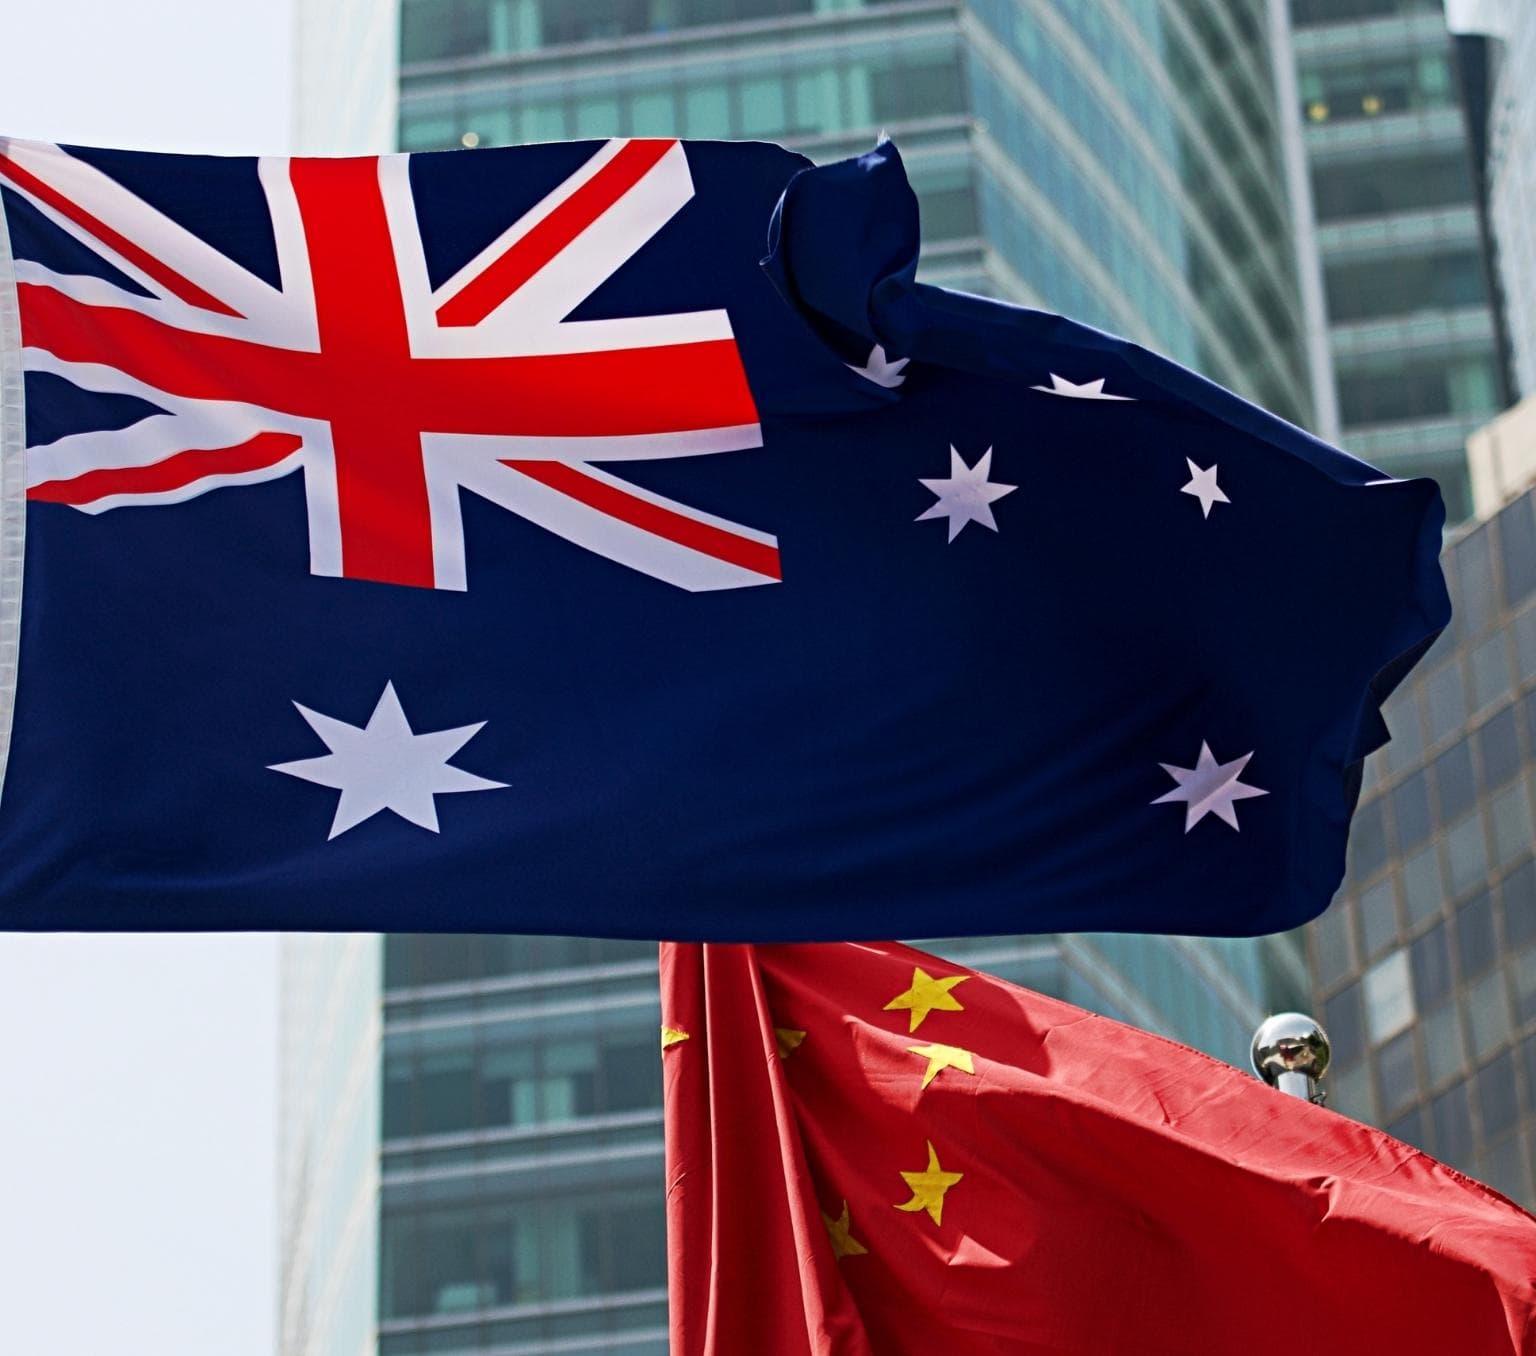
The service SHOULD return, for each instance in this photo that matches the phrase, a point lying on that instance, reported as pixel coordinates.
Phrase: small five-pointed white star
(385, 765)
(881, 370)
(1085, 390)
(967, 495)
(1202, 484)
(1209, 787)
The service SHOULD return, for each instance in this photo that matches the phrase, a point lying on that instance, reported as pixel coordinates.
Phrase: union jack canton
(388, 393)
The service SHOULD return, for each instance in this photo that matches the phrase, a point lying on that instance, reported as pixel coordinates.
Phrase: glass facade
(1510, 160)
(1425, 967)
(1120, 164)
(1416, 346)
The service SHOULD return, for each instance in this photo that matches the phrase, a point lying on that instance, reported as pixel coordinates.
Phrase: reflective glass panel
(1444, 1051)
(1496, 1095)
(1388, 993)
(1475, 935)
(1378, 916)
(1398, 1073)
(1452, 1115)
(1517, 899)
(1488, 1015)
(1431, 966)
(1498, 746)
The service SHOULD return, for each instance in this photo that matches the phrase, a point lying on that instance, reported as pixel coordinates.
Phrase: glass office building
(1121, 164)
(1426, 966)
(1510, 159)
(1412, 317)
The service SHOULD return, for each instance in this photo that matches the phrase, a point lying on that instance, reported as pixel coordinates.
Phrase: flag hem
(13, 504)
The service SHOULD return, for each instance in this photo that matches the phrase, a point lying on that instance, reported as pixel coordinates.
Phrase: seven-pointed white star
(385, 766)
(1209, 787)
(1202, 484)
(881, 370)
(1085, 390)
(967, 495)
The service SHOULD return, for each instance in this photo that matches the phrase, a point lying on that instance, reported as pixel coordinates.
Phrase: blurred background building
(1425, 967)
(1393, 114)
(1136, 164)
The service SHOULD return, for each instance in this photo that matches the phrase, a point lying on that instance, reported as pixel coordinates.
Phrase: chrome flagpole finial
(1291, 1052)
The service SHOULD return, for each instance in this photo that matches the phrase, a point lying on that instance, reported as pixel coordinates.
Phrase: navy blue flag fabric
(498, 541)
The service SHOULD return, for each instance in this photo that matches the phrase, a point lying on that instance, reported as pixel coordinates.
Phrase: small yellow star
(672, 1035)
(941, 1057)
(928, 1187)
(788, 1040)
(926, 995)
(844, 1244)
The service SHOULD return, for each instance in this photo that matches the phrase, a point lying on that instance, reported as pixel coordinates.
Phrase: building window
(1368, 840)
(433, 30)
(1372, 88)
(1388, 992)
(1467, 851)
(1518, 900)
(1369, 289)
(1510, 814)
(1522, 975)
(1398, 1073)
(1305, 12)
(1423, 889)
(1496, 1095)
(1488, 1014)
(1430, 961)
(1418, 390)
(1344, 1020)
(1474, 935)
(1446, 699)
(1498, 744)
(1452, 1115)
(1517, 541)
(1454, 782)
(1410, 808)
(1445, 1054)
(1490, 671)
(1398, 183)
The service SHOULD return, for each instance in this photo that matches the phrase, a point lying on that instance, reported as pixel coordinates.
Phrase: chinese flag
(874, 1152)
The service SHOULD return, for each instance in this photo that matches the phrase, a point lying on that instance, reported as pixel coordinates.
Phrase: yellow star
(941, 1057)
(672, 1035)
(788, 1040)
(928, 1187)
(926, 995)
(844, 1244)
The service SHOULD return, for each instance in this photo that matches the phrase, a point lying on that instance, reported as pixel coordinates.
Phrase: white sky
(137, 1120)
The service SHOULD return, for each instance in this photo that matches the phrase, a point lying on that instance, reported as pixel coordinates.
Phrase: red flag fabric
(875, 1152)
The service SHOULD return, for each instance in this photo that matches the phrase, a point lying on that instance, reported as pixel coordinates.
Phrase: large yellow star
(941, 1057)
(672, 1035)
(926, 995)
(929, 1186)
(844, 1244)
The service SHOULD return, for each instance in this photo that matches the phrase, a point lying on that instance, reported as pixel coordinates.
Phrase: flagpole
(1290, 1052)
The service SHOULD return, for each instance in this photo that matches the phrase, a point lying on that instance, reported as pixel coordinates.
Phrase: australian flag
(497, 541)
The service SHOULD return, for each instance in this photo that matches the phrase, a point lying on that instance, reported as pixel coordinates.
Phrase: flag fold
(873, 1150)
(497, 542)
